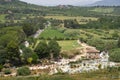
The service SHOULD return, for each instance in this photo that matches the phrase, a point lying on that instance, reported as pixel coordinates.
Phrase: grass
(2, 18)
(65, 44)
(50, 33)
(69, 44)
(98, 75)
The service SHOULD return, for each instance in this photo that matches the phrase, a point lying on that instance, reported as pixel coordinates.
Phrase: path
(36, 35)
(83, 50)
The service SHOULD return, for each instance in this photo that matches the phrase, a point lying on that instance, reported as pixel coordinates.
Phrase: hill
(6, 2)
(17, 6)
(106, 3)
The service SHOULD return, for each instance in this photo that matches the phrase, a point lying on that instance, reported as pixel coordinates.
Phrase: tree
(42, 50)
(2, 55)
(54, 49)
(13, 54)
(28, 56)
(23, 71)
(115, 35)
(29, 29)
(118, 44)
(115, 55)
(35, 58)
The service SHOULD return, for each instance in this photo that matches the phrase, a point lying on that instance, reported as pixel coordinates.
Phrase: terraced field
(103, 10)
(80, 19)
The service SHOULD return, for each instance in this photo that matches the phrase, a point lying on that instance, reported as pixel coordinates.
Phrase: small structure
(92, 53)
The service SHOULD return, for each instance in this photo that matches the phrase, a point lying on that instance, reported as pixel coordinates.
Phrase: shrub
(115, 55)
(23, 71)
(1, 67)
(70, 53)
(7, 71)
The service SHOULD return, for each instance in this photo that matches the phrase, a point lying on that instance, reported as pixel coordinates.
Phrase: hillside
(12, 2)
(107, 3)
(16, 6)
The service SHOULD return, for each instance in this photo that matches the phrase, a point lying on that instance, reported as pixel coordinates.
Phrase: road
(36, 35)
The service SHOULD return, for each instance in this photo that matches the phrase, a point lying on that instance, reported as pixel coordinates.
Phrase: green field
(51, 33)
(79, 33)
(69, 44)
(2, 18)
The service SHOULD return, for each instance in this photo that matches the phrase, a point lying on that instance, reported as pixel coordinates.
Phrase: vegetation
(48, 50)
(42, 50)
(51, 34)
(1, 67)
(102, 75)
(54, 49)
(7, 71)
(68, 44)
(23, 71)
(115, 55)
(62, 27)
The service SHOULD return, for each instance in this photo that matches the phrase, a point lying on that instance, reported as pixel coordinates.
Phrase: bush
(23, 71)
(70, 54)
(7, 71)
(1, 67)
(115, 55)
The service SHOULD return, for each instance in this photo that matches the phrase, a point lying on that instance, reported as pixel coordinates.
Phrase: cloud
(57, 2)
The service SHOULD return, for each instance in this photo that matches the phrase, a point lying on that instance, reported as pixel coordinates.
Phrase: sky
(62, 2)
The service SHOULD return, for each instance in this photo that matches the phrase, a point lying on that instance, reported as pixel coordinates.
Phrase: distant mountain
(106, 3)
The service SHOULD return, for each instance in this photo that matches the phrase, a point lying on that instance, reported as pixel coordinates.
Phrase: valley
(62, 42)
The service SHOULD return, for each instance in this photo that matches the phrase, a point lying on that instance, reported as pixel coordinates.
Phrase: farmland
(69, 44)
(50, 33)
(62, 42)
(80, 19)
(103, 10)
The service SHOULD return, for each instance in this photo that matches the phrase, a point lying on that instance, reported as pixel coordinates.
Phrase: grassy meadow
(68, 44)
(49, 33)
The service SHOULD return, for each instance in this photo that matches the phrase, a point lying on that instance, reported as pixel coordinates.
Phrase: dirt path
(83, 50)
(36, 35)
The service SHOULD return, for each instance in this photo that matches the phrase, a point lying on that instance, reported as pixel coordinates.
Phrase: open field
(50, 33)
(69, 44)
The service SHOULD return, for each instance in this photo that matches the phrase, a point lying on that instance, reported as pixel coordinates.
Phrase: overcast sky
(63, 2)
